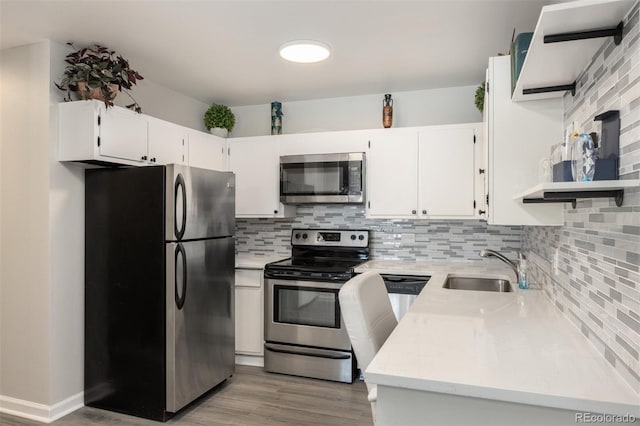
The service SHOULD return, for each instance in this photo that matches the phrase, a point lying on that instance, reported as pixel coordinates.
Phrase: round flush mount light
(304, 51)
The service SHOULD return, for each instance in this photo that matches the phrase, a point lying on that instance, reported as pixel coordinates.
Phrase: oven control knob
(297, 236)
(353, 236)
(304, 236)
(361, 237)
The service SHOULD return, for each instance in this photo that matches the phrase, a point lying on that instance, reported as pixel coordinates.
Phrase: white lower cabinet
(207, 151)
(256, 163)
(249, 312)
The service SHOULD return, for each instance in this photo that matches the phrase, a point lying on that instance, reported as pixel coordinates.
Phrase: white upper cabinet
(520, 135)
(392, 173)
(168, 143)
(207, 151)
(324, 143)
(88, 131)
(256, 163)
(446, 172)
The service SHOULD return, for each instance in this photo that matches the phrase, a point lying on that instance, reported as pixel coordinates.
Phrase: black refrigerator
(159, 287)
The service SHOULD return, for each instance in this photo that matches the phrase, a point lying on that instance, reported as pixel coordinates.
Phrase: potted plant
(220, 120)
(479, 98)
(95, 72)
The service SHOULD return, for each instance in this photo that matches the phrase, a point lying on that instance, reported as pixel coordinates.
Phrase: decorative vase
(96, 92)
(387, 111)
(219, 131)
(276, 118)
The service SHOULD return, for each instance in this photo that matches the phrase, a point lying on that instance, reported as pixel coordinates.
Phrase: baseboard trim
(252, 360)
(41, 412)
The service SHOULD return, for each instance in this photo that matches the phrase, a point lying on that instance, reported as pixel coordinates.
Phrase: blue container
(562, 172)
(519, 50)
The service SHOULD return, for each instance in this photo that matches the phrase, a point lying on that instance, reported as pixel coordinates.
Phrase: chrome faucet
(502, 257)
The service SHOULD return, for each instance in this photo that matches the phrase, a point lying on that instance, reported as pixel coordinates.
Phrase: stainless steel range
(304, 331)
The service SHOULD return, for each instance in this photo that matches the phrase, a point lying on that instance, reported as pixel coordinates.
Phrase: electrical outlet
(408, 238)
(556, 260)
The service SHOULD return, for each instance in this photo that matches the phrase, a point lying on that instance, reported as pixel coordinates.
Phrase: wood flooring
(250, 397)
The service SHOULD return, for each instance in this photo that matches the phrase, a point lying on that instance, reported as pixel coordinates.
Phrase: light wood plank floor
(250, 397)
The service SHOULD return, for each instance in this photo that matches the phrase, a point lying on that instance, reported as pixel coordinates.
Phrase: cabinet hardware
(153, 160)
(487, 199)
(481, 212)
(481, 171)
(98, 120)
(424, 212)
(143, 158)
(369, 144)
(474, 204)
(487, 87)
(369, 204)
(98, 140)
(474, 138)
(182, 157)
(413, 212)
(275, 212)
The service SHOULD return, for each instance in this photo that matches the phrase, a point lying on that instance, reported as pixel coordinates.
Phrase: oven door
(322, 178)
(304, 313)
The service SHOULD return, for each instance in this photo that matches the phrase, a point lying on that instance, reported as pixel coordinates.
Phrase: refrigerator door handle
(180, 185)
(183, 294)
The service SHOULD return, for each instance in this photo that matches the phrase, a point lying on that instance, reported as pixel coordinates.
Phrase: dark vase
(276, 118)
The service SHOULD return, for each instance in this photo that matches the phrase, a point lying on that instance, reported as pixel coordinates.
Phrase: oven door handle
(310, 352)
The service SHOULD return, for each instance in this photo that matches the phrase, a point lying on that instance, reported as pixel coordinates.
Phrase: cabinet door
(324, 143)
(207, 151)
(249, 312)
(123, 134)
(255, 161)
(446, 171)
(392, 173)
(167, 143)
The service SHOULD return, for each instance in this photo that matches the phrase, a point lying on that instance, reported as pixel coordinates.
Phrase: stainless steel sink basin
(480, 284)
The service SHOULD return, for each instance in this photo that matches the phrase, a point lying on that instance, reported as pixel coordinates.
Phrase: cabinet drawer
(249, 277)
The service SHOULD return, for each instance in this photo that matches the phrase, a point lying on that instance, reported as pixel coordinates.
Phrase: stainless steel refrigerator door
(200, 318)
(199, 203)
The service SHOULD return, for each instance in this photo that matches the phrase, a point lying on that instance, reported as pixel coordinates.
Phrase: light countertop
(251, 261)
(515, 347)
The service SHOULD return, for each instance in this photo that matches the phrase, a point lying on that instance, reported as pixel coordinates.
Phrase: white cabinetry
(392, 173)
(249, 312)
(447, 172)
(256, 163)
(324, 143)
(167, 142)
(520, 134)
(423, 173)
(207, 151)
(88, 131)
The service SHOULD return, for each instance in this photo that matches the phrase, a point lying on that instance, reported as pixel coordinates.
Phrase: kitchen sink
(480, 284)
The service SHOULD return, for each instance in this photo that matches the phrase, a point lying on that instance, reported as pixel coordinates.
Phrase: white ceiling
(227, 51)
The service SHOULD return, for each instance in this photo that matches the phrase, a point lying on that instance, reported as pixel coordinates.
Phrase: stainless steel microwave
(322, 178)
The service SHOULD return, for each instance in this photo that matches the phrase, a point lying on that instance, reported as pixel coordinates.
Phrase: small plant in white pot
(220, 120)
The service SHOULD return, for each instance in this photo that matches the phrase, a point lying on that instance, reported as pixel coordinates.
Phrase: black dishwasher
(403, 290)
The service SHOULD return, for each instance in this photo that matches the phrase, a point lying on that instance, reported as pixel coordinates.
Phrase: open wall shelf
(569, 192)
(551, 68)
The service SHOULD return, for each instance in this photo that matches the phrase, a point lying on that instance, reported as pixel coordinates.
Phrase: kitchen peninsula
(473, 357)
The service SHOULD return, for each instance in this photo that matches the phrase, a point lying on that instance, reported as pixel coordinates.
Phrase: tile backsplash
(389, 239)
(596, 283)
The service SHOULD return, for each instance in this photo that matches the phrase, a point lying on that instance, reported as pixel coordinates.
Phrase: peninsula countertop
(515, 347)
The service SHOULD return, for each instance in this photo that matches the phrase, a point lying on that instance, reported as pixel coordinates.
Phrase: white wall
(24, 295)
(415, 108)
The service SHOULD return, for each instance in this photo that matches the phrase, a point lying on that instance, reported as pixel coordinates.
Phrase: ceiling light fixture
(304, 51)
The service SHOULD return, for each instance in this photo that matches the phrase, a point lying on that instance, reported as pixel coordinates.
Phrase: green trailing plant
(219, 116)
(95, 72)
(479, 99)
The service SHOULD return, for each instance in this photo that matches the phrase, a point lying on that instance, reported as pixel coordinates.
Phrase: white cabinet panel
(167, 142)
(207, 151)
(256, 163)
(123, 134)
(249, 324)
(520, 134)
(392, 173)
(324, 143)
(446, 171)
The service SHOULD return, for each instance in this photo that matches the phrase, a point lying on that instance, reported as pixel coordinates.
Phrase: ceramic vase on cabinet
(387, 111)
(276, 118)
